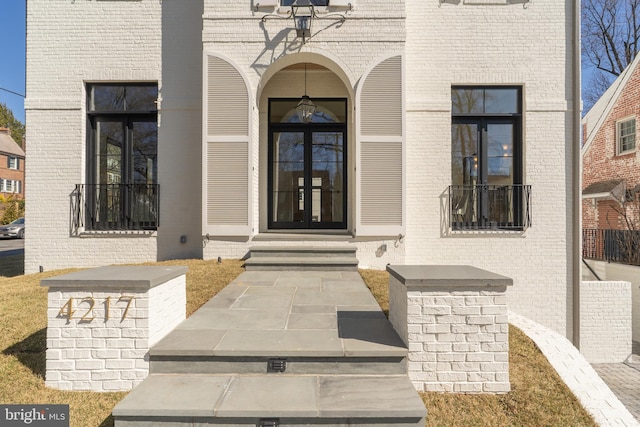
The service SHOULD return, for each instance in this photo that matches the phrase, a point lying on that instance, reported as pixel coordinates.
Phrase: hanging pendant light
(305, 107)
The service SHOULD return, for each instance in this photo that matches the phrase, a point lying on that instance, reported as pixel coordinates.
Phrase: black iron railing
(622, 246)
(102, 207)
(490, 207)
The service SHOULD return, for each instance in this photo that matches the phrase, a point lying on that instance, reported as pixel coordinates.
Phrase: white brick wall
(108, 355)
(612, 271)
(458, 340)
(605, 321)
(443, 45)
(68, 44)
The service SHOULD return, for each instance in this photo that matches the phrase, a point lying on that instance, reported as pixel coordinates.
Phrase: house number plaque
(67, 311)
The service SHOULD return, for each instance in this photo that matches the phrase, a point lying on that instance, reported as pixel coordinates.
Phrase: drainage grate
(277, 365)
(269, 422)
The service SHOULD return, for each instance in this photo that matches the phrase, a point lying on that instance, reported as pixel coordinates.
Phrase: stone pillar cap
(447, 275)
(143, 277)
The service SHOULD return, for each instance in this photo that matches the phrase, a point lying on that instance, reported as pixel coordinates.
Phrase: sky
(12, 55)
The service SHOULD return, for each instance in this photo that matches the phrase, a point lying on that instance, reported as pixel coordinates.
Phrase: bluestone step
(300, 258)
(241, 400)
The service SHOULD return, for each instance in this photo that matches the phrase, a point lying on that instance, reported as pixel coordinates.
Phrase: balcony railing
(490, 207)
(621, 246)
(107, 207)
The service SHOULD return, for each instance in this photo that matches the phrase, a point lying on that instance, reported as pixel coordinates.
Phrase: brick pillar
(454, 321)
(102, 322)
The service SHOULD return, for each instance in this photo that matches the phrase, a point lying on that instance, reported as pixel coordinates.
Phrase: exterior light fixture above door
(303, 12)
(305, 107)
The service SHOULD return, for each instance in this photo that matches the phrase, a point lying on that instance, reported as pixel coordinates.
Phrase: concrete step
(283, 263)
(298, 258)
(352, 342)
(271, 400)
(302, 251)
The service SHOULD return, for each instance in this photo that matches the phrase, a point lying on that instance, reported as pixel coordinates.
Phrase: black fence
(103, 207)
(622, 246)
(490, 207)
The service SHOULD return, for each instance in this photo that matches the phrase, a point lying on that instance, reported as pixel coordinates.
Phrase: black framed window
(487, 158)
(122, 153)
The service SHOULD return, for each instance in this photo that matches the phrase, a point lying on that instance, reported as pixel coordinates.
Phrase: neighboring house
(611, 170)
(437, 132)
(611, 187)
(12, 165)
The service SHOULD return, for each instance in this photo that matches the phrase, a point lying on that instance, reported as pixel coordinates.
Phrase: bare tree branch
(610, 41)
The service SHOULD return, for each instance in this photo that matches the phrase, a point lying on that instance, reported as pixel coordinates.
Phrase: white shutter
(226, 150)
(380, 151)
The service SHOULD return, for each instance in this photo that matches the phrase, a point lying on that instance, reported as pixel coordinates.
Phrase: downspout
(576, 177)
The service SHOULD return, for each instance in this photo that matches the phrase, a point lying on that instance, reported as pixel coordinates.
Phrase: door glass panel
(110, 141)
(464, 154)
(109, 170)
(327, 153)
(144, 161)
(500, 172)
(145, 152)
(500, 154)
(288, 177)
(464, 171)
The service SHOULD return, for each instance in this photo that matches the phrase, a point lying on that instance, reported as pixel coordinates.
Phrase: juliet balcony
(489, 207)
(115, 207)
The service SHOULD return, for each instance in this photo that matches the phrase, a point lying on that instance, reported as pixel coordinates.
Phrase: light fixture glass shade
(305, 109)
(303, 26)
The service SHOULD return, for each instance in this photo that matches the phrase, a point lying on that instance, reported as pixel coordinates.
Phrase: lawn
(538, 396)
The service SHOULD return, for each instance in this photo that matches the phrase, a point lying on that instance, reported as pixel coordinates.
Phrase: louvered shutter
(226, 151)
(380, 151)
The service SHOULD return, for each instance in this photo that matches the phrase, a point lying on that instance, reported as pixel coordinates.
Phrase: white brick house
(446, 132)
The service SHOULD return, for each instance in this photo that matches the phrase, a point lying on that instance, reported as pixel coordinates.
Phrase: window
(122, 148)
(626, 135)
(486, 158)
(13, 163)
(10, 186)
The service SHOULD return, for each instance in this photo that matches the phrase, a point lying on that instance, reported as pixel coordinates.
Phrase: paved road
(11, 246)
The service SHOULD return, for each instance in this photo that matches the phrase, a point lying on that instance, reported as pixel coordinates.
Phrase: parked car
(13, 229)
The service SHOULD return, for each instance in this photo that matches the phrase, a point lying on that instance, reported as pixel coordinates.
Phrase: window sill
(626, 153)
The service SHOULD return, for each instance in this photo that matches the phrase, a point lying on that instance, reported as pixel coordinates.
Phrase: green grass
(538, 396)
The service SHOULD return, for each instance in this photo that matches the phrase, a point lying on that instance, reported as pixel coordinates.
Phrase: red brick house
(611, 159)
(12, 161)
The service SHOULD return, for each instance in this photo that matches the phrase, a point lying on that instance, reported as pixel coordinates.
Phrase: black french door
(487, 170)
(307, 176)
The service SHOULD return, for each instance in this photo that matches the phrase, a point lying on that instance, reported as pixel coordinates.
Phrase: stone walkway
(592, 392)
(624, 380)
